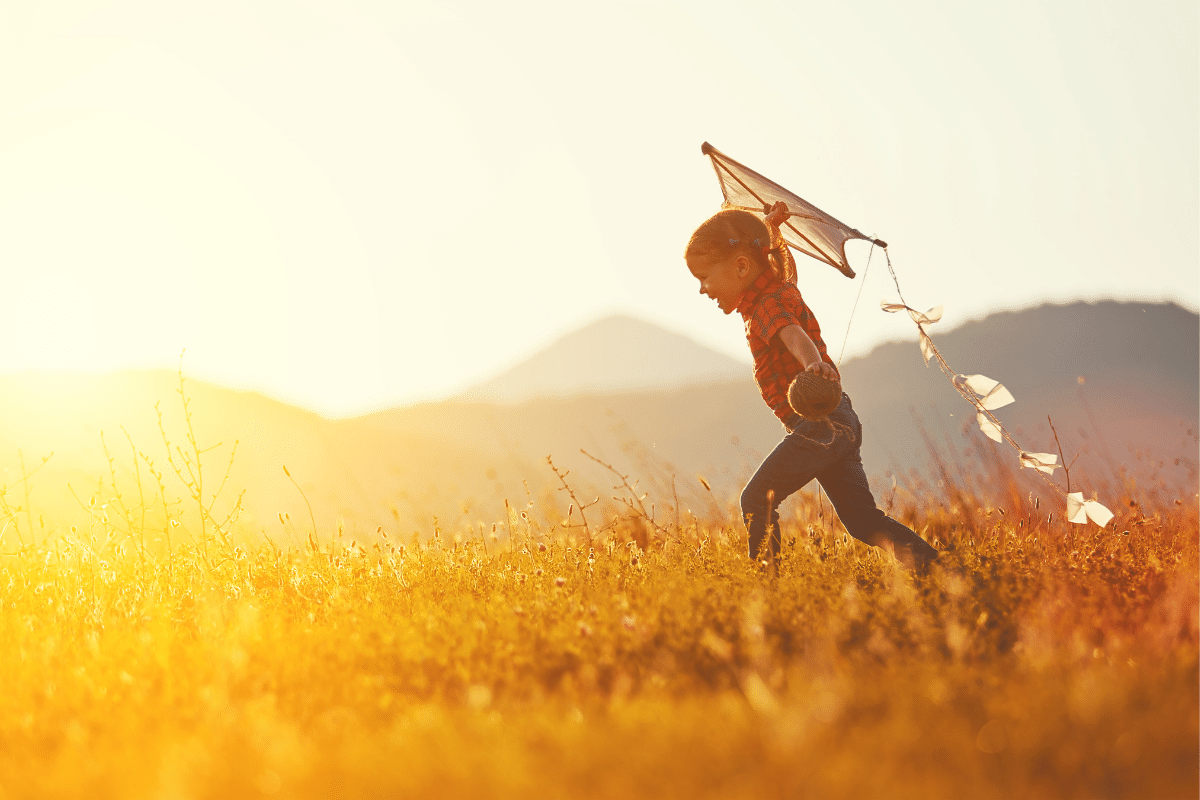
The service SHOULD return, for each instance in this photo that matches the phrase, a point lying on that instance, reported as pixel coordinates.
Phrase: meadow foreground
(1038, 660)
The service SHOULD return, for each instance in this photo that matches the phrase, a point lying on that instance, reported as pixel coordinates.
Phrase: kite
(811, 231)
(807, 229)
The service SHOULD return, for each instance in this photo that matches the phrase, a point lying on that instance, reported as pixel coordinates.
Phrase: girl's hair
(737, 232)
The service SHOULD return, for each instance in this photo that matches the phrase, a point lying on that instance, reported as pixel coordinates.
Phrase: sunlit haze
(355, 205)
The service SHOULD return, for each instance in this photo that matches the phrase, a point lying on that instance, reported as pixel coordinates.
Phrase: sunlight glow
(290, 191)
(56, 321)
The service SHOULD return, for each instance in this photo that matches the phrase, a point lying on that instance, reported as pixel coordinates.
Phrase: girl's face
(724, 279)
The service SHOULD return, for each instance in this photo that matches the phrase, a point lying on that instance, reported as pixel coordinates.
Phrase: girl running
(743, 264)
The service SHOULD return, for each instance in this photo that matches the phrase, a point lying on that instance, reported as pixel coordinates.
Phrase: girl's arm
(776, 216)
(798, 344)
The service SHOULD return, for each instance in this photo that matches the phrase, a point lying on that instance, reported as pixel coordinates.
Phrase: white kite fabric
(808, 229)
(1080, 510)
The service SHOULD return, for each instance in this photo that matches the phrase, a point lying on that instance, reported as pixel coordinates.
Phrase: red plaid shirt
(769, 306)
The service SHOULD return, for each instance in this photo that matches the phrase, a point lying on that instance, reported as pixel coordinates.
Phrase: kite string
(857, 297)
(894, 279)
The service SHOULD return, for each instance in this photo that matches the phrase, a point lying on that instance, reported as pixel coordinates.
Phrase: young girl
(744, 266)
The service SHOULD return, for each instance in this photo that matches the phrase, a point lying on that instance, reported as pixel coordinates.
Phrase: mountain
(616, 354)
(1119, 382)
(1132, 421)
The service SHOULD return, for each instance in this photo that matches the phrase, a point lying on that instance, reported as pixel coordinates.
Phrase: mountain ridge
(618, 352)
(1134, 417)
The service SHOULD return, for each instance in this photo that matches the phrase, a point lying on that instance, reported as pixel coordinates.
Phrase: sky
(355, 205)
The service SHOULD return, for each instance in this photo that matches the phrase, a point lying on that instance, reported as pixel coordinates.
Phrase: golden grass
(1039, 659)
(1050, 661)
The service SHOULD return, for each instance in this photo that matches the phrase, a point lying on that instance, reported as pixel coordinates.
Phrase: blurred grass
(158, 650)
(1050, 660)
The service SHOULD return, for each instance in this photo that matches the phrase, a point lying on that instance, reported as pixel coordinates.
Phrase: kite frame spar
(822, 229)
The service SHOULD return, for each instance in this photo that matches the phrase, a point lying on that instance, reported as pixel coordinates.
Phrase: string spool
(814, 397)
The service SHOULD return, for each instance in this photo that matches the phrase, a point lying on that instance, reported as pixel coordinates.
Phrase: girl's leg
(780, 475)
(846, 484)
(809, 450)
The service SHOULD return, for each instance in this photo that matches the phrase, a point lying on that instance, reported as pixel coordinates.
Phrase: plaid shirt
(769, 306)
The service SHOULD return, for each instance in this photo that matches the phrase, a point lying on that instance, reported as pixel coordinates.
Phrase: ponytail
(780, 256)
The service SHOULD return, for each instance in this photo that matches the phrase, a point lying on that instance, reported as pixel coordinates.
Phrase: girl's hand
(778, 214)
(823, 369)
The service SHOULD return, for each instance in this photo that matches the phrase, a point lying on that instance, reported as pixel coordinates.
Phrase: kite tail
(987, 395)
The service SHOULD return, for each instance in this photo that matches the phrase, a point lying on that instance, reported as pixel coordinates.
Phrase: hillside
(1135, 416)
(1132, 416)
(1119, 380)
(615, 354)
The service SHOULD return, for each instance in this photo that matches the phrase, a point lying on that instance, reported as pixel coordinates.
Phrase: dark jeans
(828, 451)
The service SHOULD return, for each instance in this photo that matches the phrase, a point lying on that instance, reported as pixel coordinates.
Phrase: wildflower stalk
(562, 478)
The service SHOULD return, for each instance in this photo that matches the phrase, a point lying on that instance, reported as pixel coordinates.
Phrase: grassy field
(153, 651)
